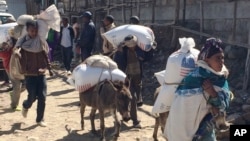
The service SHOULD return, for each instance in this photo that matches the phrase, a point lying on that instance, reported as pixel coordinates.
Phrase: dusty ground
(63, 118)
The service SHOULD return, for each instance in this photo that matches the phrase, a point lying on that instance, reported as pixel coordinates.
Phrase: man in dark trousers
(87, 37)
(66, 42)
(129, 59)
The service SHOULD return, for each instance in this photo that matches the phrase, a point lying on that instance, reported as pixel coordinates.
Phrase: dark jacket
(87, 37)
(32, 62)
(121, 57)
(72, 34)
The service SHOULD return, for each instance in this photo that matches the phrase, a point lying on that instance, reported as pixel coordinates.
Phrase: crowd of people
(78, 44)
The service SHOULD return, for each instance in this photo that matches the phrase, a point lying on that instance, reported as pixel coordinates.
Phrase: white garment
(184, 118)
(66, 38)
(187, 112)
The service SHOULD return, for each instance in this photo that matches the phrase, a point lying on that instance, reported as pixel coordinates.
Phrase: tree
(32, 6)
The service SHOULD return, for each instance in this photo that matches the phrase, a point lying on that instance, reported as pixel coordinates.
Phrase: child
(34, 61)
(206, 86)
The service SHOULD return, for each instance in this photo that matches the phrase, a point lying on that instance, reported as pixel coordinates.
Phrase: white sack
(101, 61)
(145, 36)
(52, 17)
(43, 29)
(179, 64)
(85, 76)
(160, 76)
(19, 30)
(4, 35)
(21, 20)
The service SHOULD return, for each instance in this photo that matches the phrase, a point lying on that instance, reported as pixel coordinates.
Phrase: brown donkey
(160, 120)
(107, 96)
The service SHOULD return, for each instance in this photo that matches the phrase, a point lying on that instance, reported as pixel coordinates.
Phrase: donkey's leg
(102, 124)
(117, 125)
(82, 110)
(92, 120)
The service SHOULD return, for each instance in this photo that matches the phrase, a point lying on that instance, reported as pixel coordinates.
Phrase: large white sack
(43, 29)
(145, 36)
(160, 76)
(179, 64)
(4, 28)
(52, 17)
(101, 61)
(85, 76)
(21, 20)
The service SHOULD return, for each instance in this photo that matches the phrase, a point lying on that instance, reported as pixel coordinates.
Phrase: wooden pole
(176, 21)
(138, 8)
(184, 12)
(177, 11)
(201, 17)
(131, 8)
(108, 6)
(247, 67)
(153, 10)
(234, 21)
(123, 12)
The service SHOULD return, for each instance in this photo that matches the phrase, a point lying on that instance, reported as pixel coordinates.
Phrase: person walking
(129, 58)
(87, 37)
(5, 54)
(34, 62)
(108, 24)
(52, 42)
(66, 42)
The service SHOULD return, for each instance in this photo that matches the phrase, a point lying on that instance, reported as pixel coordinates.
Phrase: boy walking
(34, 62)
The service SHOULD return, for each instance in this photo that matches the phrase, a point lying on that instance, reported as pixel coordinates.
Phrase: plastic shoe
(16, 108)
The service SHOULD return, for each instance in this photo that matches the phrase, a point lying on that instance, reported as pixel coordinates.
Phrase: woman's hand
(208, 87)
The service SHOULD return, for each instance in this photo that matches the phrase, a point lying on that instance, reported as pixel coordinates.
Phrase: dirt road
(63, 118)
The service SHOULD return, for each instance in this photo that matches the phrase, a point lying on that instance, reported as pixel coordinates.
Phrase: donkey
(107, 96)
(160, 120)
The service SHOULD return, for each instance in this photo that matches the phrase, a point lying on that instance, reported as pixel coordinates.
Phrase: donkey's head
(123, 98)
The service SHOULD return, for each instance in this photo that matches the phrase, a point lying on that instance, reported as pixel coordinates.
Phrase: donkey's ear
(127, 82)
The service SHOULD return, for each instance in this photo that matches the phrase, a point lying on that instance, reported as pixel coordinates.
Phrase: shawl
(34, 45)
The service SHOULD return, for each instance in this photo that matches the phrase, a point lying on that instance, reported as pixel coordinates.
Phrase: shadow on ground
(58, 93)
(75, 135)
(15, 127)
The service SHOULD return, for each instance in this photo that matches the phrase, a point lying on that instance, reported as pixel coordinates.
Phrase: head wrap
(211, 47)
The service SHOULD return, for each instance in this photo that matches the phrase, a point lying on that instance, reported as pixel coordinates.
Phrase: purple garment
(52, 45)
